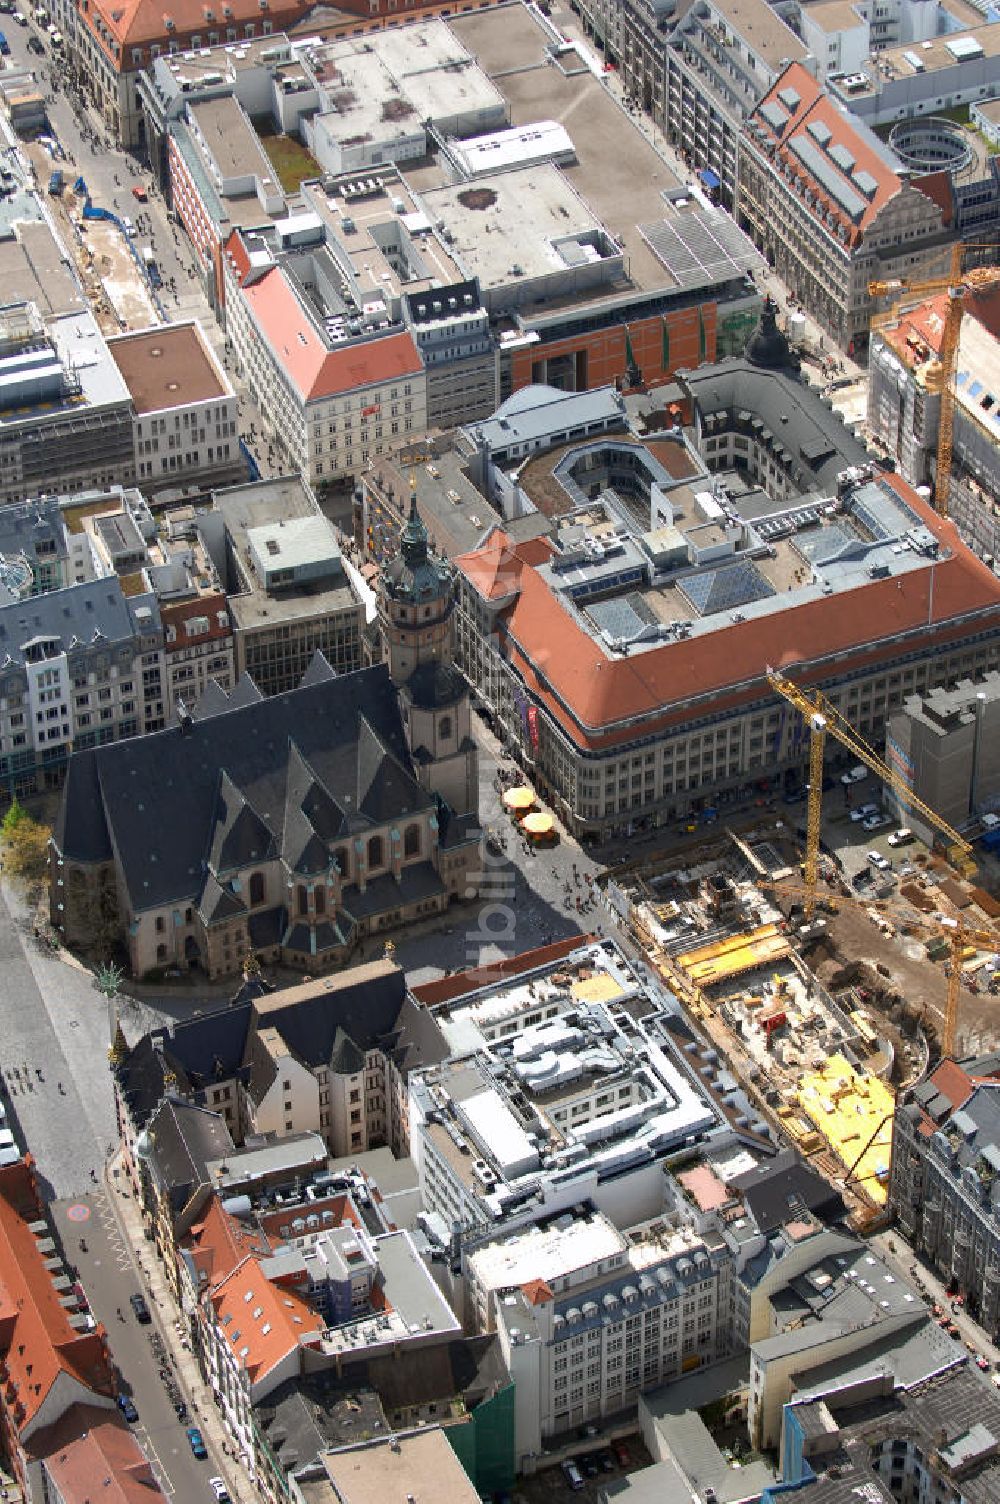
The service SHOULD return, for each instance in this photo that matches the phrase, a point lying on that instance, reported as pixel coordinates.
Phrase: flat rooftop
(563, 1058)
(374, 271)
(230, 141)
(903, 62)
(833, 16)
(513, 220)
(510, 46)
(253, 508)
(421, 1464)
(33, 265)
(169, 366)
(763, 30)
(560, 1248)
(424, 69)
(229, 59)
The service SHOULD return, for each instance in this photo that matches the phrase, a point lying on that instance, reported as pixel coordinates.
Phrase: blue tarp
(709, 178)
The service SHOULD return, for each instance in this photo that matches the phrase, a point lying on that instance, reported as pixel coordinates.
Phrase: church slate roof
(155, 799)
(432, 686)
(240, 835)
(215, 701)
(218, 903)
(345, 1057)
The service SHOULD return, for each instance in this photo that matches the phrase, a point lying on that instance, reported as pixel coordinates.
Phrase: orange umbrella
(518, 800)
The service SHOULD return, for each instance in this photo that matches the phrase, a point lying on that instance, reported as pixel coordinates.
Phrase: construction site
(825, 1004)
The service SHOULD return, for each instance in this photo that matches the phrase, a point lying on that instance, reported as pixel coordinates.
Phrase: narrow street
(102, 1249)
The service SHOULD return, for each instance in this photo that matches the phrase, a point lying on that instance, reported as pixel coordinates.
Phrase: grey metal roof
(81, 616)
(535, 412)
(952, 1413)
(819, 167)
(816, 437)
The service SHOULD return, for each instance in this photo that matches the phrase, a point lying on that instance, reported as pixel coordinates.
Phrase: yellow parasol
(518, 800)
(538, 825)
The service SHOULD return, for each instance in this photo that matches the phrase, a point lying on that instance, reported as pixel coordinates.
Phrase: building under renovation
(904, 407)
(65, 410)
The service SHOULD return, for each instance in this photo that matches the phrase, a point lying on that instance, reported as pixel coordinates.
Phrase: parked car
(140, 1309)
(622, 1454)
(219, 1489)
(875, 821)
(857, 774)
(590, 1465)
(864, 811)
(126, 1405)
(878, 860)
(197, 1443)
(573, 1475)
(35, 46)
(139, 194)
(902, 837)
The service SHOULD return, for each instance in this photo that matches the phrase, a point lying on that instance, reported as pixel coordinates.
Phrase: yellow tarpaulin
(734, 955)
(854, 1114)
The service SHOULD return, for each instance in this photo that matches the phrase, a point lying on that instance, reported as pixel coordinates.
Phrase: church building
(289, 828)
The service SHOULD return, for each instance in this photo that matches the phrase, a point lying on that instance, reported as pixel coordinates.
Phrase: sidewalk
(168, 1318)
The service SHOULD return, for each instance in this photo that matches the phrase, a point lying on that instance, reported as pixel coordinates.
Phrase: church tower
(416, 605)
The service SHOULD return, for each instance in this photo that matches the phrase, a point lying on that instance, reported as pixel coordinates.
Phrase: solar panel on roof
(816, 164)
(843, 156)
(819, 131)
(727, 588)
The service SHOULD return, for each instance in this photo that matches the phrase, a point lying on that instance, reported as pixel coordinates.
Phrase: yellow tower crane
(824, 719)
(958, 934)
(940, 375)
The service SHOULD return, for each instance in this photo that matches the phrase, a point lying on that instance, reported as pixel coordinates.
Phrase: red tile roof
(219, 1242)
(816, 108)
(261, 1321)
(314, 370)
(236, 252)
(343, 1209)
(38, 1345)
(106, 1461)
(136, 23)
(917, 333)
(598, 700)
(955, 1084)
(177, 613)
(537, 1292)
